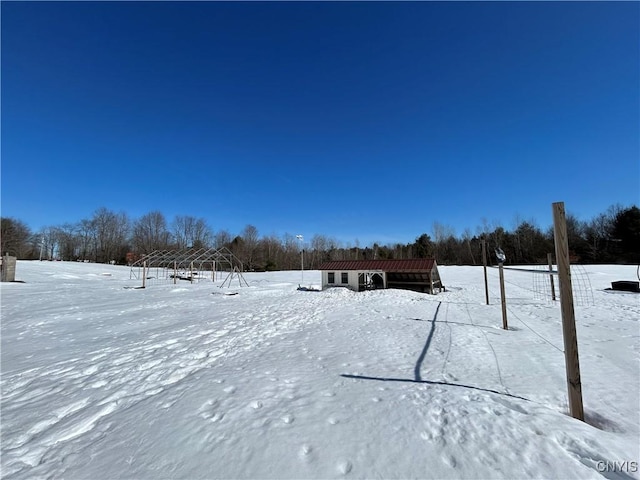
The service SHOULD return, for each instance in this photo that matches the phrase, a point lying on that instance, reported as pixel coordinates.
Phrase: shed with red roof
(417, 274)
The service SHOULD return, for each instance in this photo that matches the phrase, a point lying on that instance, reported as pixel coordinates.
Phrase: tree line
(112, 237)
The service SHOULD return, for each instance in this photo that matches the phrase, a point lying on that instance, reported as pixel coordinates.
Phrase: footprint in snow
(305, 450)
(288, 419)
(344, 467)
(449, 460)
(208, 411)
(217, 417)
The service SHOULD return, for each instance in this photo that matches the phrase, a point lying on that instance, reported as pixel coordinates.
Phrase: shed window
(331, 277)
(345, 277)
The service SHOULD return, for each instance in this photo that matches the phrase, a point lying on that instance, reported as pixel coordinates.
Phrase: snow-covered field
(182, 381)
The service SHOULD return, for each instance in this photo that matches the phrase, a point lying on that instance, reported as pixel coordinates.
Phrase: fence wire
(580, 285)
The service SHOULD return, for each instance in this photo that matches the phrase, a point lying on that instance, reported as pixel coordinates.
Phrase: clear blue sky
(366, 121)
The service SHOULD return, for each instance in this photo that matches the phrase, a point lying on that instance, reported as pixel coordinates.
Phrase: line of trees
(611, 237)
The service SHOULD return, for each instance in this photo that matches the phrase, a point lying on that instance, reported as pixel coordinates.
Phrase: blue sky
(359, 120)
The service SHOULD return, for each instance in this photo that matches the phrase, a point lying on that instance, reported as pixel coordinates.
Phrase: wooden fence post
(144, 274)
(572, 362)
(175, 272)
(553, 285)
(484, 263)
(503, 298)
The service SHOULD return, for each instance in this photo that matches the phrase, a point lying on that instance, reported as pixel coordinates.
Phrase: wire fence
(545, 285)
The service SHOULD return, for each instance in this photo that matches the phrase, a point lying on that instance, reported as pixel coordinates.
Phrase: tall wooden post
(503, 299)
(553, 285)
(572, 362)
(484, 263)
(191, 272)
(175, 272)
(144, 274)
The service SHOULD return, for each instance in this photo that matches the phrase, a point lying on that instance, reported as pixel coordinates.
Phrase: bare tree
(86, 237)
(201, 234)
(69, 241)
(14, 237)
(48, 237)
(190, 231)
(222, 238)
(441, 235)
(466, 236)
(598, 234)
(319, 250)
(110, 231)
(291, 247)
(150, 233)
(249, 250)
(272, 252)
(575, 236)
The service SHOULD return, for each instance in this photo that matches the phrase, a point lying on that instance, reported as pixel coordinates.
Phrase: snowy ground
(183, 381)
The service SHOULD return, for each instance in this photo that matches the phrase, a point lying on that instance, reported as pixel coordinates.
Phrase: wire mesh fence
(545, 285)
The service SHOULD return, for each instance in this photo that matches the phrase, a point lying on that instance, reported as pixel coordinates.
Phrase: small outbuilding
(8, 268)
(417, 274)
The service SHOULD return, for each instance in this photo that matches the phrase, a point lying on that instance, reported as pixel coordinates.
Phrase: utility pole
(301, 238)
